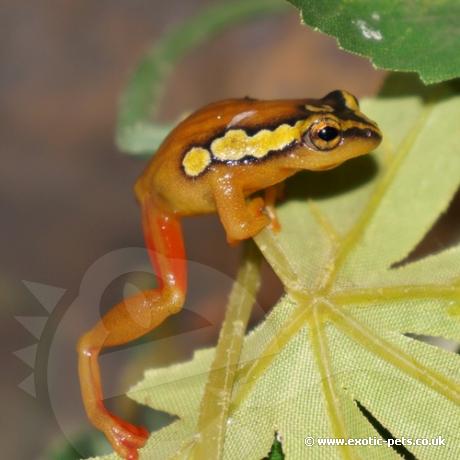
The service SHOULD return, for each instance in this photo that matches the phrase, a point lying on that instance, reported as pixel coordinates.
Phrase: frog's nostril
(373, 134)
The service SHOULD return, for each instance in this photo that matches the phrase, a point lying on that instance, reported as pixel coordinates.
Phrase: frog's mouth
(334, 164)
(329, 166)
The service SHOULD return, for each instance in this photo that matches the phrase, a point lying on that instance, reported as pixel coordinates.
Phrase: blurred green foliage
(420, 36)
(136, 131)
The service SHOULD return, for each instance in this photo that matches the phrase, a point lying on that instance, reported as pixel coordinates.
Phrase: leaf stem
(273, 252)
(392, 354)
(212, 421)
(322, 354)
(373, 295)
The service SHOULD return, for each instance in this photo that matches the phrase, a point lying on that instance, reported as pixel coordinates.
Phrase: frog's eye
(323, 135)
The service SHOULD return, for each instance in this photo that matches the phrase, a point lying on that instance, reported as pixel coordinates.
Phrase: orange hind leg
(131, 319)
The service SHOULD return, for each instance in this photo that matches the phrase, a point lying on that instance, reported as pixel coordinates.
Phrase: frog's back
(184, 185)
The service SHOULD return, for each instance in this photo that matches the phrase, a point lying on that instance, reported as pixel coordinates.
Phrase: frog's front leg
(242, 219)
(131, 319)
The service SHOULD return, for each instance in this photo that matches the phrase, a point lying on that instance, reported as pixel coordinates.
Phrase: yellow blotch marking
(195, 161)
(236, 144)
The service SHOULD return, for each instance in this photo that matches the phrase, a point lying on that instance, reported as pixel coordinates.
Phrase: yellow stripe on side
(195, 161)
(236, 144)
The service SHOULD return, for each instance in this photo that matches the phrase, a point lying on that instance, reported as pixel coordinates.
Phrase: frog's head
(336, 130)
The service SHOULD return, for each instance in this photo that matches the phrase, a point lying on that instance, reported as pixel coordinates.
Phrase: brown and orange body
(213, 161)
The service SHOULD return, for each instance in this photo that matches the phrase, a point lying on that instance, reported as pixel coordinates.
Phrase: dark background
(66, 192)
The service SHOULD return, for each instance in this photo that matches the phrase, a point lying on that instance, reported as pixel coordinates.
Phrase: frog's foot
(125, 437)
(273, 193)
(274, 222)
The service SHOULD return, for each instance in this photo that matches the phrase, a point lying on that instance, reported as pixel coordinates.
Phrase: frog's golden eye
(323, 135)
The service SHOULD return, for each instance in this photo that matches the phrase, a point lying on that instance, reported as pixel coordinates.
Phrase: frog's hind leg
(131, 319)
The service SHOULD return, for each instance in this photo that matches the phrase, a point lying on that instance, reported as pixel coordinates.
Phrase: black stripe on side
(272, 125)
(250, 130)
(358, 132)
(247, 160)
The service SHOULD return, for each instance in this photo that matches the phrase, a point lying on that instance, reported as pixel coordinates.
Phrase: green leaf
(136, 132)
(418, 36)
(342, 338)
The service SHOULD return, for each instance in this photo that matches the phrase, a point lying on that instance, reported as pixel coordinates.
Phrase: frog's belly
(185, 204)
(185, 196)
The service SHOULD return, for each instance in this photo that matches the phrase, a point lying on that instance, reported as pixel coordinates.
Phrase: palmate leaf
(337, 341)
(418, 36)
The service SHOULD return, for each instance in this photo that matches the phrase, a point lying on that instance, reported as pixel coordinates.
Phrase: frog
(217, 160)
